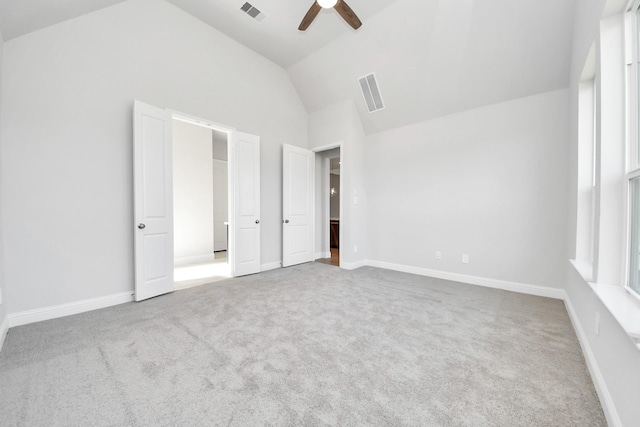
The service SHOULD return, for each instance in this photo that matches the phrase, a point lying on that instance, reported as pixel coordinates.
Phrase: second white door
(297, 205)
(245, 221)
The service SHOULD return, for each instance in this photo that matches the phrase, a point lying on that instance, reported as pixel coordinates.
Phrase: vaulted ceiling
(19, 17)
(431, 57)
(438, 57)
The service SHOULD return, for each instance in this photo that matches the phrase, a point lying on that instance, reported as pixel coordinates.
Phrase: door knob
(141, 226)
(257, 221)
(286, 221)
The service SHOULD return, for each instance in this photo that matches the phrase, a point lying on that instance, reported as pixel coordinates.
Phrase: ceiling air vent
(371, 92)
(253, 12)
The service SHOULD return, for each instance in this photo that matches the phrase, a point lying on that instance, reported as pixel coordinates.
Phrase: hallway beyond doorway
(334, 260)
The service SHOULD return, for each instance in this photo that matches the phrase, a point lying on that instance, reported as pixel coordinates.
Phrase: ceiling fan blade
(348, 14)
(310, 16)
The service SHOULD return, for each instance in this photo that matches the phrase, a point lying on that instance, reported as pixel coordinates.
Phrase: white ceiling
(20, 17)
(437, 57)
(277, 37)
(431, 57)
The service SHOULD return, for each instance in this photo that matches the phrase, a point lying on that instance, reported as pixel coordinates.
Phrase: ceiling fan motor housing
(340, 6)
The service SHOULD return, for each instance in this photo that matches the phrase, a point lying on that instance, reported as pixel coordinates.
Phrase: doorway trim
(178, 115)
(326, 214)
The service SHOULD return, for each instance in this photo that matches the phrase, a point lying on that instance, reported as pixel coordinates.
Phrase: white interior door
(297, 205)
(153, 206)
(245, 218)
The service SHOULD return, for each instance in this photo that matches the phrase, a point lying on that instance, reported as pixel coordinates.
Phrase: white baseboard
(4, 328)
(53, 312)
(608, 407)
(522, 288)
(198, 259)
(613, 419)
(354, 265)
(270, 266)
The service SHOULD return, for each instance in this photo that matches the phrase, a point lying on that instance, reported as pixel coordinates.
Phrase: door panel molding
(298, 205)
(153, 201)
(244, 241)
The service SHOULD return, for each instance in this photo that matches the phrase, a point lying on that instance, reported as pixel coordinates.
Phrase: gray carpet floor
(307, 345)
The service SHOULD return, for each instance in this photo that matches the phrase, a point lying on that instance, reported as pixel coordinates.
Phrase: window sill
(584, 268)
(624, 307)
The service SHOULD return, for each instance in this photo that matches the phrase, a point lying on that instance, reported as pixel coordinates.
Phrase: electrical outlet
(438, 255)
(355, 249)
(465, 258)
(597, 324)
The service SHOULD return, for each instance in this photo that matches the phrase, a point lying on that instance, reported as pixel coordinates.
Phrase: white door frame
(325, 197)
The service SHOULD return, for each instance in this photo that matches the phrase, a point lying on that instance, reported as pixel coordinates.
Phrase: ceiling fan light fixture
(339, 6)
(327, 4)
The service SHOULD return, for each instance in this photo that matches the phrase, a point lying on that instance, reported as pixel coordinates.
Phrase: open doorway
(154, 200)
(329, 195)
(200, 203)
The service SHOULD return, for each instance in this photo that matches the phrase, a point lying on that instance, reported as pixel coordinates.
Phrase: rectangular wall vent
(371, 92)
(253, 12)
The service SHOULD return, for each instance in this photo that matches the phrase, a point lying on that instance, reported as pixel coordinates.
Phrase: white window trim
(632, 163)
(586, 179)
(612, 288)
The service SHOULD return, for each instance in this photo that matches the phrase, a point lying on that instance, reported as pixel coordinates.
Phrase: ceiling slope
(434, 58)
(277, 37)
(20, 17)
(431, 57)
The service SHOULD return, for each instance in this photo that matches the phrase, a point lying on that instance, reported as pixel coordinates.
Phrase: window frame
(632, 149)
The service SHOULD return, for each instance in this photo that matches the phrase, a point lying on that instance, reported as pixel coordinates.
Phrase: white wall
(220, 204)
(220, 145)
(340, 123)
(488, 182)
(220, 190)
(614, 356)
(192, 193)
(3, 310)
(67, 138)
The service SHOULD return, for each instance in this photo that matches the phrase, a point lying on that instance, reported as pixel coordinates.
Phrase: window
(608, 184)
(633, 159)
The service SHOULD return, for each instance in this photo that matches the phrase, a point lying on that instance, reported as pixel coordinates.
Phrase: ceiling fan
(339, 5)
